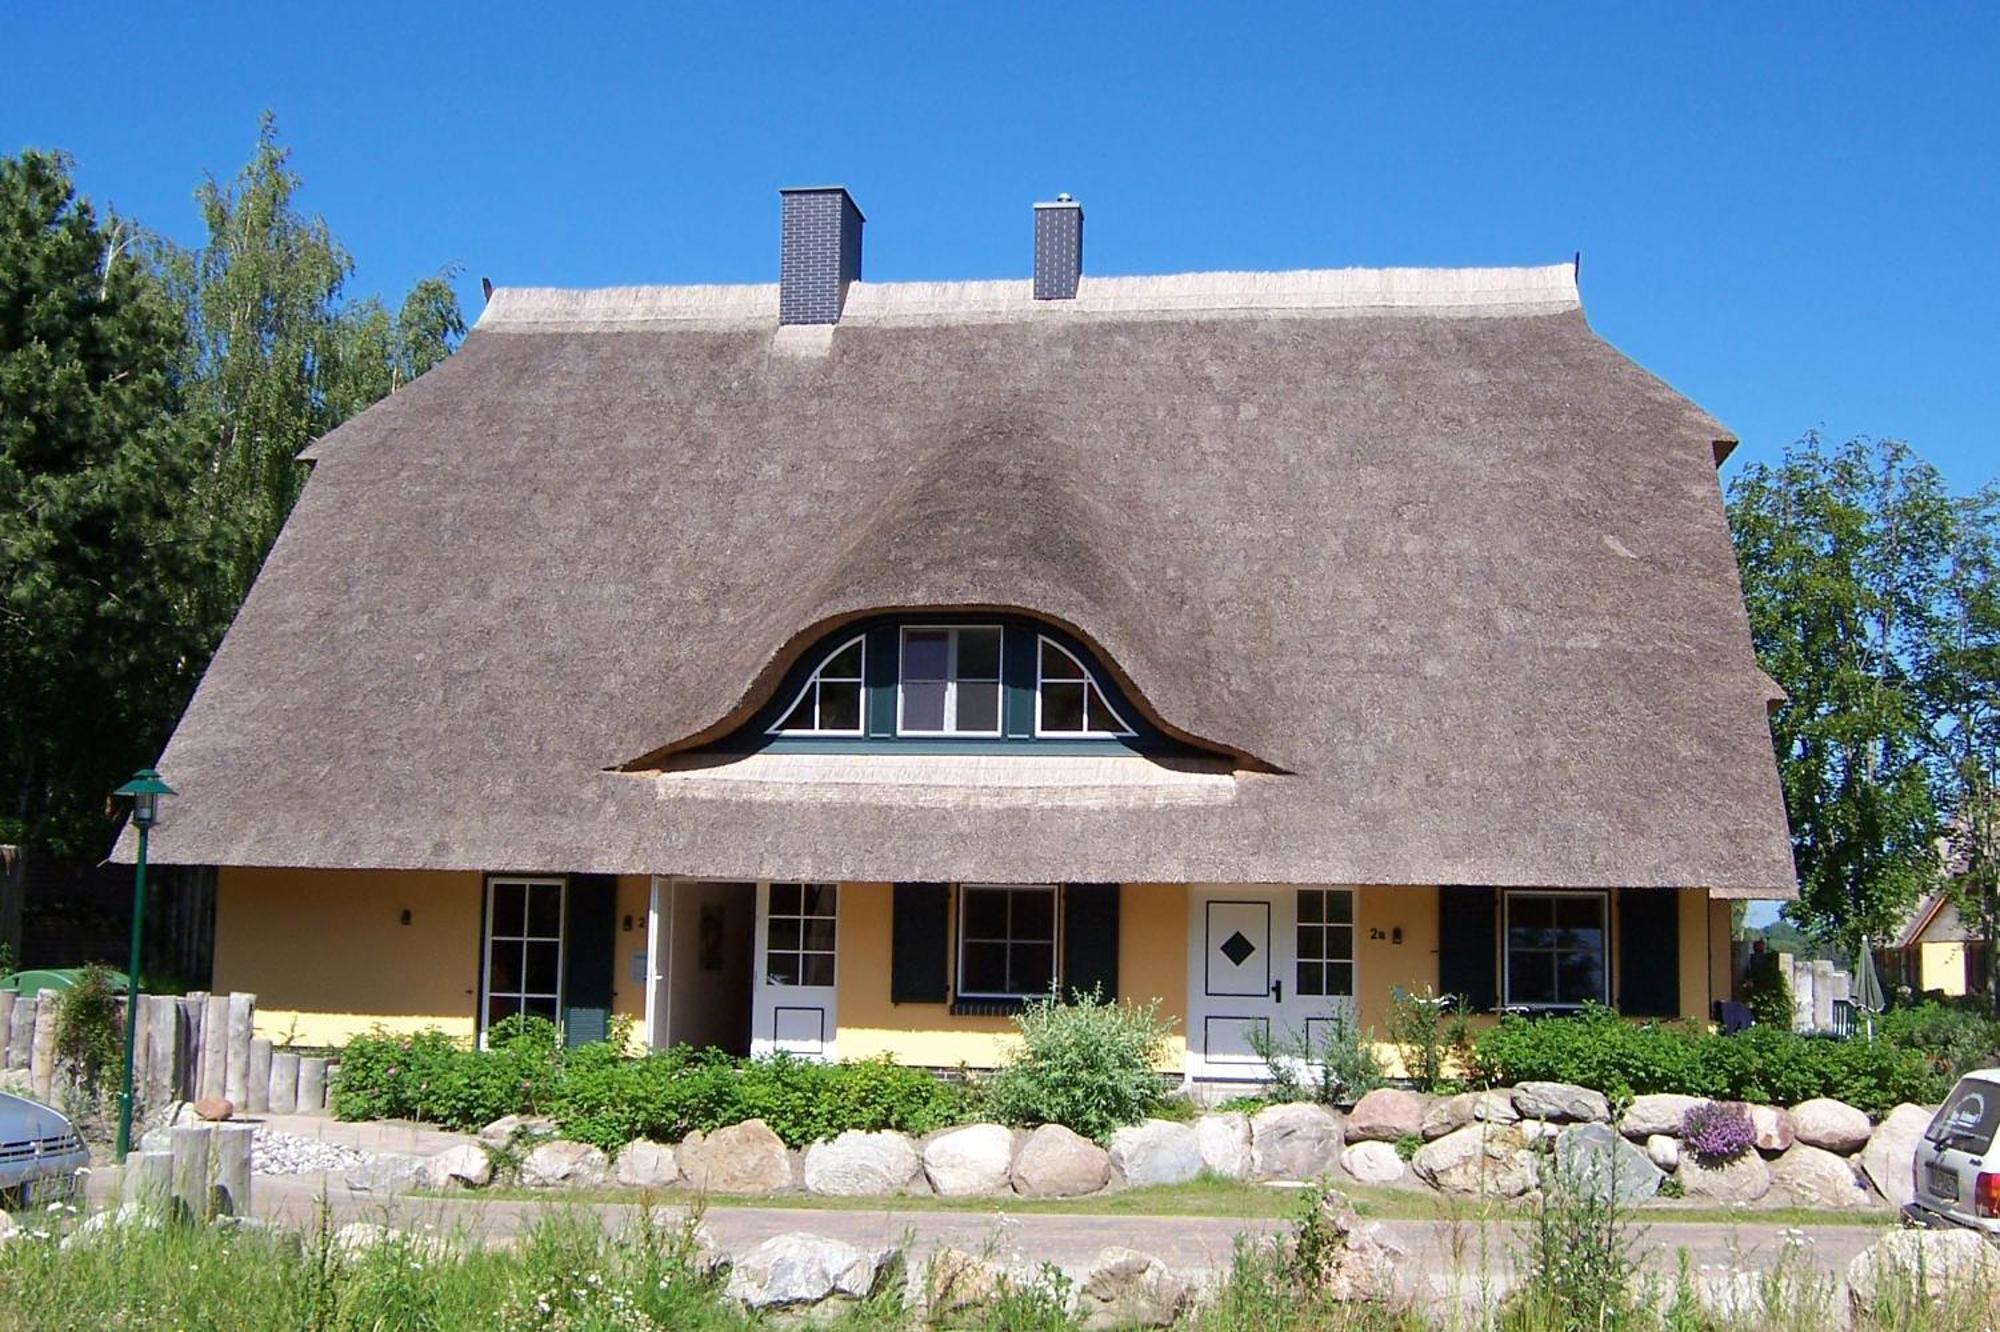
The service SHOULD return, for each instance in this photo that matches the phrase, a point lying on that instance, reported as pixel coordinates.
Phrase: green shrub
(1957, 1037)
(1087, 1065)
(90, 1036)
(1431, 1032)
(1766, 993)
(1336, 1067)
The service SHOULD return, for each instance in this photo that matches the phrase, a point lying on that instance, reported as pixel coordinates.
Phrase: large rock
(1834, 1125)
(388, 1173)
(506, 1129)
(1744, 1180)
(1664, 1151)
(465, 1166)
(970, 1162)
(1596, 1162)
(861, 1165)
(1481, 1107)
(1492, 1160)
(1890, 1156)
(1372, 1162)
(1561, 1103)
(1127, 1289)
(1156, 1152)
(1657, 1112)
(1361, 1263)
(956, 1288)
(1815, 1177)
(1938, 1261)
(742, 1158)
(565, 1165)
(1225, 1144)
(796, 1272)
(1296, 1141)
(647, 1165)
(1386, 1114)
(1057, 1163)
(1773, 1128)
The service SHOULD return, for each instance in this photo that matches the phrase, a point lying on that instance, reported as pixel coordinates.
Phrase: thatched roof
(1450, 572)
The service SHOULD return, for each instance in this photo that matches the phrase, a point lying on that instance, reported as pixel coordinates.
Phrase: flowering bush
(1717, 1132)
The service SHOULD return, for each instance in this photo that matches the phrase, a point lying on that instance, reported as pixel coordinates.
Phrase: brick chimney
(819, 253)
(1058, 249)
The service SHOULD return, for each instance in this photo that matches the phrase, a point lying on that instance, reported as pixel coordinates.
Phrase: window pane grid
(800, 932)
(1325, 939)
(830, 703)
(1007, 941)
(950, 681)
(1067, 699)
(1556, 950)
(524, 949)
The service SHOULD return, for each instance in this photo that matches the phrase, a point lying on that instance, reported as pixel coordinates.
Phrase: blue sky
(1791, 213)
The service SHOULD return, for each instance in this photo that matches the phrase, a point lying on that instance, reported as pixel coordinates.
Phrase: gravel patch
(273, 1153)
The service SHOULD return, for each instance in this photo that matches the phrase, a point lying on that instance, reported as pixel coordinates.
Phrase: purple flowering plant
(1717, 1132)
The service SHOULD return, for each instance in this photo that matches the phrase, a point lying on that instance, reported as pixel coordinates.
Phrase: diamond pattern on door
(1238, 948)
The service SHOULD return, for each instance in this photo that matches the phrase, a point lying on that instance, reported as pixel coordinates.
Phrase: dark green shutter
(1649, 952)
(1467, 949)
(590, 945)
(1090, 939)
(919, 943)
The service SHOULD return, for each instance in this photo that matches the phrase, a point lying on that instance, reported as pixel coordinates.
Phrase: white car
(40, 1153)
(1957, 1175)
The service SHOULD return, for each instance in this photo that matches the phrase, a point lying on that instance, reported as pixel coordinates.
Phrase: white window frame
(999, 680)
(771, 916)
(965, 890)
(811, 686)
(1507, 1000)
(1090, 683)
(487, 940)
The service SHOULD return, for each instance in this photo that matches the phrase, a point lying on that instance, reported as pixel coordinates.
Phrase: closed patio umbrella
(1868, 986)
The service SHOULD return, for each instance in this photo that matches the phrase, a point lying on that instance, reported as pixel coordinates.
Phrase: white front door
(797, 928)
(1272, 962)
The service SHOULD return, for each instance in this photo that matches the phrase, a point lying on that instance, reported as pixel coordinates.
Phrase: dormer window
(950, 681)
(830, 702)
(1067, 698)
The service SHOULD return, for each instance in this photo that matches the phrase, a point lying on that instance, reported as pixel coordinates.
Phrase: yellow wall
(1152, 964)
(635, 899)
(1941, 966)
(1382, 964)
(1694, 954)
(328, 957)
(1721, 981)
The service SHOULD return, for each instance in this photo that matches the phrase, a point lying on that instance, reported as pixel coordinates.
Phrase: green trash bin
(54, 978)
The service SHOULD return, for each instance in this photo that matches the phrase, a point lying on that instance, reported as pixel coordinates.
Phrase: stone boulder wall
(796, 1273)
(565, 1165)
(1561, 1103)
(1225, 1144)
(1057, 1163)
(1481, 1107)
(970, 1162)
(647, 1165)
(1830, 1124)
(1386, 1114)
(1156, 1151)
(1743, 1180)
(1814, 1177)
(1938, 1261)
(464, 1166)
(862, 1165)
(1772, 1126)
(1127, 1289)
(1489, 1160)
(503, 1131)
(956, 1289)
(1664, 1151)
(1373, 1162)
(742, 1158)
(1891, 1153)
(1296, 1141)
(1599, 1163)
(1658, 1112)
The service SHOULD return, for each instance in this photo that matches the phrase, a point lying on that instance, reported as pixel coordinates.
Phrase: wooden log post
(7, 999)
(192, 1199)
(232, 1168)
(194, 1014)
(259, 1080)
(312, 1085)
(162, 1016)
(42, 1056)
(236, 1077)
(215, 1045)
(148, 1179)
(21, 1031)
(284, 1082)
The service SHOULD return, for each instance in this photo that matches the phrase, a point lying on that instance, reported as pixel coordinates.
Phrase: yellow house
(1936, 952)
(831, 666)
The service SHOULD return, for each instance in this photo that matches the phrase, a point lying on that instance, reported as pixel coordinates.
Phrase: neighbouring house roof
(1447, 574)
(1934, 919)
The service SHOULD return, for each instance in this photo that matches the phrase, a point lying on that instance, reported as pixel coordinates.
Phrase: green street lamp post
(145, 788)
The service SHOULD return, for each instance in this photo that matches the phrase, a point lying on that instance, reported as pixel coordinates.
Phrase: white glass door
(797, 929)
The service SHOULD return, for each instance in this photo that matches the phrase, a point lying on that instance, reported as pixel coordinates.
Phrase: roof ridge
(1544, 289)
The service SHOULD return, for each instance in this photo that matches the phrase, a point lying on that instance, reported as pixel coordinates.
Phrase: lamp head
(145, 789)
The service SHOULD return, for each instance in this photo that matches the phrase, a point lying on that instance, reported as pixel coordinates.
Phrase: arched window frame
(1092, 689)
(812, 686)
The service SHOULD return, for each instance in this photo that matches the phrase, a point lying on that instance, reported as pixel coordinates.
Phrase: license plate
(1943, 1182)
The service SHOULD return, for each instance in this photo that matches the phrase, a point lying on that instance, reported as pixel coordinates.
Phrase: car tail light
(1986, 1194)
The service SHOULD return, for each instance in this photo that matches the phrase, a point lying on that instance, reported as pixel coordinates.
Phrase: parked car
(40, 1153)
(1957, 1176)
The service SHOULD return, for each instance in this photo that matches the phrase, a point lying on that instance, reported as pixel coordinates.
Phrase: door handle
(1278, 989)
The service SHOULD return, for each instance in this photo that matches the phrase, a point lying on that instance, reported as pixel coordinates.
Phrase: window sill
(974, 1006)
